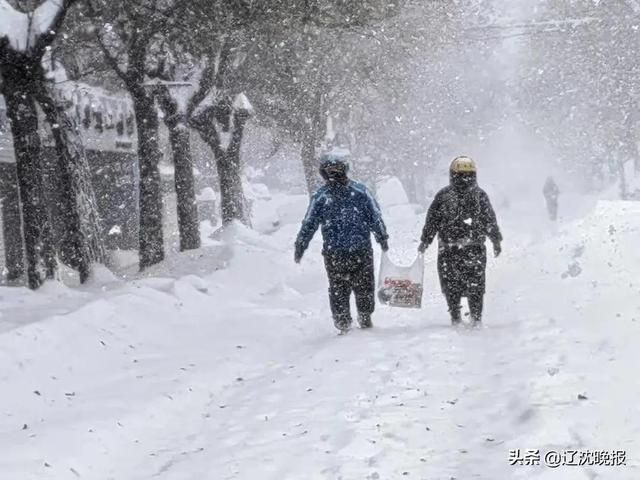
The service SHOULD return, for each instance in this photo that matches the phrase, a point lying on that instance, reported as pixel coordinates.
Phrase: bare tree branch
(46, 39)
(224, 61)
(206, 83)
(111, 60)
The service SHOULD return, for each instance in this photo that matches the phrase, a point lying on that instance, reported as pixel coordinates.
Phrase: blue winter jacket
(348, 214)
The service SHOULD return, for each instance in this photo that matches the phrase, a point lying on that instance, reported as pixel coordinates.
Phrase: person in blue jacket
(348, 214)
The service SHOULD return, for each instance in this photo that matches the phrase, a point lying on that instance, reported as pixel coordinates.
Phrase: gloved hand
(384, 245)
(497, 249)
(422, 247)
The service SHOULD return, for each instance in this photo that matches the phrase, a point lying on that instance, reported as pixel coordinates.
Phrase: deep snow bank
(579, 293)
(88, 376)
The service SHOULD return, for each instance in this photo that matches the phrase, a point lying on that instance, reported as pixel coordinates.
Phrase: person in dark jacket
(348, 214)
(462, 217)
(551, 193)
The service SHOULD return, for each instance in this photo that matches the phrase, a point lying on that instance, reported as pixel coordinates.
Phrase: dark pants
(350, 272)
(462, 274)
(552, 209)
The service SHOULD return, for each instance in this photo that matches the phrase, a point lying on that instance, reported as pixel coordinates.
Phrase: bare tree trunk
(150, 235)
(18, 91)
(231, 197)
(229, 170)
(180, 138)
(188, 223)
(634, 140)
(12, 225)
(313, 131)
(308, 156)
(227, 163)
(624, 192)
(22, 73)
(81, 240)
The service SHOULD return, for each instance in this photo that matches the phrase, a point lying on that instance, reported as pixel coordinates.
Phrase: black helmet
(334, 166)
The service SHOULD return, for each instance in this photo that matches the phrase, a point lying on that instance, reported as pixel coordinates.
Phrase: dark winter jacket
(461, 218)
(551, 190)
(348, 214)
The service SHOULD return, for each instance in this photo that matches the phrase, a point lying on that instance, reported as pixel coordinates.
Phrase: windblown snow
(23, 29)
(224, 364)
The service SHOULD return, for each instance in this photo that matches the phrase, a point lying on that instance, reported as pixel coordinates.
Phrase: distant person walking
(551, 193)
(348, 214)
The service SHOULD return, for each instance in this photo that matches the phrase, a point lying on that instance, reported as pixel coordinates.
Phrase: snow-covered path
(398, 401)
(238, 374)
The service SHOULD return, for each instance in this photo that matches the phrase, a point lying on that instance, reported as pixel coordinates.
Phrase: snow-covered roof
(21, 30)
(85, 103)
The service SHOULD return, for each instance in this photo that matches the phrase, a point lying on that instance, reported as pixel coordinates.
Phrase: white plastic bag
(401, 286)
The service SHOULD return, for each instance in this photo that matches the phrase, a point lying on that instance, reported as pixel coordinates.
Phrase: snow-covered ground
(224, 364)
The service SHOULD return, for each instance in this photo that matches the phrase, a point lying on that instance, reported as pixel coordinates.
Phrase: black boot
(364, 320)
(476, 303)
(342, 322)
(455, 316)
(453, 302)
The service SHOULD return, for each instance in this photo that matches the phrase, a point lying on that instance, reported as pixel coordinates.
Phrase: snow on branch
(26, 30)
(241, 103)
